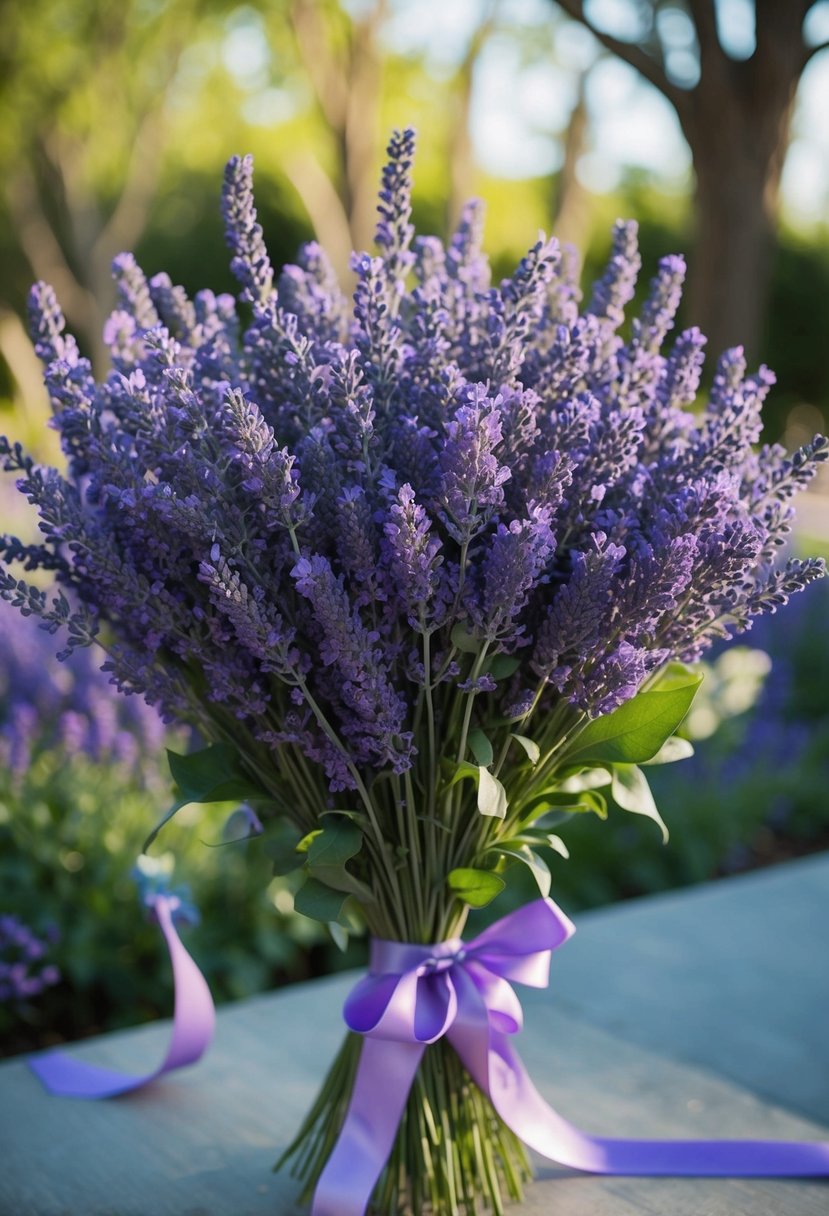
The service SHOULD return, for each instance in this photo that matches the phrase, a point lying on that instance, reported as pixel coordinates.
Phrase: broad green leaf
(463, 640)
(636, 731)
(675, 675)
(532, 749)
(339, 879)
(492, 797)
(502, 666)
(322, 903)
(535, 864)
(480, 747)
(280, 844)
(339, 840)
(475, 887)
(213, 774)
(631, 791)
(673, 749)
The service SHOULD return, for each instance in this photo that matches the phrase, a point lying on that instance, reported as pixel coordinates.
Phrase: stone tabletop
(701, 1013)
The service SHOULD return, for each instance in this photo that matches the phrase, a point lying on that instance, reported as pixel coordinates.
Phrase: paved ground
(701, 1013)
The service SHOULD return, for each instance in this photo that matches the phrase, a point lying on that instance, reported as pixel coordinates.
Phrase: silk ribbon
(413, 995)
(193, 1024)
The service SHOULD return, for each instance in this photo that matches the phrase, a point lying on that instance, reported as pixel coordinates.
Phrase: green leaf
(631, 791)
(676, 675)
(280, 844)
(586, 779)
(164, 819)
(573, 803)
(535, 864)
(538, 836)
(492, 797)
(339, 840)
(502, 666)
(339, 935)
(480, 746)
(307, 840)
(463, 640)
(213, 774)
(475, 887)
(319, 902)
(673, 749)
(532, 749)
(558, 846)
(339, 879)
(460, 772)
(637, 730)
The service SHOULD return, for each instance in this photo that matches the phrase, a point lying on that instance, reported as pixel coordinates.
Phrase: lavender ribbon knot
(413, 995)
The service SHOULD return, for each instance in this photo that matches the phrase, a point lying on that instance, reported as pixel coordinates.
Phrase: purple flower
(22, 973)
(472, 477)
(250, 263)
(284, 523)
(414, 560)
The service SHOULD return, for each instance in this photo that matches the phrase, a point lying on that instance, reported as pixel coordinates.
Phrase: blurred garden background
(704, 120)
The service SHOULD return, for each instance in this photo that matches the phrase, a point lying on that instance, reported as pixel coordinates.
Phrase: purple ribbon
(193, 1024)
(413, 995)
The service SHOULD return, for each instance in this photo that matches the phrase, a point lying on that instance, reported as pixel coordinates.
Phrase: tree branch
(325, 69)
(632, 54)
(127, 220)
(42, 249)
(325, 209)
(704, 15)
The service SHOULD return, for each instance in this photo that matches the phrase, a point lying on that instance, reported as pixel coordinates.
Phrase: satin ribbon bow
(413, 995)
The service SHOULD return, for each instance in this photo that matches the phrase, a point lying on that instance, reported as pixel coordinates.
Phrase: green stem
(451, 1151)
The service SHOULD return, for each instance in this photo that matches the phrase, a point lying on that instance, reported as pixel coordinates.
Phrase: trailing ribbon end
(415, 994)
(194, 1021)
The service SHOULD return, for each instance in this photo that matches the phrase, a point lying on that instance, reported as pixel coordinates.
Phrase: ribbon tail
(384, 1077)
(508, 1086)
(193, 1024)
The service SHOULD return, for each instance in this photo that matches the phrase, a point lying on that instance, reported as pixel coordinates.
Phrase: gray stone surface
(696, 1014)
(733, 976)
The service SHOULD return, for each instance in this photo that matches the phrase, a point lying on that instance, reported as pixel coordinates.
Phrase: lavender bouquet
(426, 566)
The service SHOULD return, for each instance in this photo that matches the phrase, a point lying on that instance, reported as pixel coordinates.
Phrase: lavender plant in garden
(426, 565)
(69, 706)
(24, 973)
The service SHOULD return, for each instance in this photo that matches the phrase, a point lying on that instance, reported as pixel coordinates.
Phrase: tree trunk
(571, 212)
(738, 124)
(730, 270)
